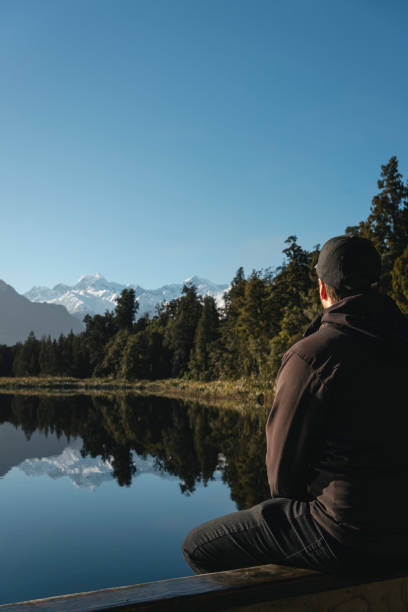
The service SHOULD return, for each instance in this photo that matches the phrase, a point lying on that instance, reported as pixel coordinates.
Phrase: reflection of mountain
(85, 472)
(15, 447)
(184, 440)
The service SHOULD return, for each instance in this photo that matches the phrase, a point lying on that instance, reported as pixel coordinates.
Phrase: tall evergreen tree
(293, 280)
(6, 360)
(126, 308)
(233, 298)
(136, 358)
(112, 362)
(387, 223)
(100, 329)
(48, 359)
(400, 281)
(253, 325)
(225, 353)
(181, 330)
(206, 333)
(26, 361)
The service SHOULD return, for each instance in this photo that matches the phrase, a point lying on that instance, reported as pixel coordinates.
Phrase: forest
(263, 314)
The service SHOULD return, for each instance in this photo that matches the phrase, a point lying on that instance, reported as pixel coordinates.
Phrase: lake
(100, 491)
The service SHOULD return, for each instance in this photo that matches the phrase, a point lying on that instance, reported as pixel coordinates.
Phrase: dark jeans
(280, 531)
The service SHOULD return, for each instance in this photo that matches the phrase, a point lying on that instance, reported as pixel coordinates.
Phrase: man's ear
(322, 290)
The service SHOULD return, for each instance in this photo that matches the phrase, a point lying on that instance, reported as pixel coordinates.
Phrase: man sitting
(337, 457)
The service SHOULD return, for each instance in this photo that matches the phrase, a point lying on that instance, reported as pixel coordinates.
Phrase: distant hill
(93, 294)
(19, 316)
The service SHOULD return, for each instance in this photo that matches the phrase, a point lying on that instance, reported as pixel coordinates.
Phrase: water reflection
(15, 448)
(130, 435)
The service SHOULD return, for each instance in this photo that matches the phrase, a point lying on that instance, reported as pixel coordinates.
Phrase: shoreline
(239, 394)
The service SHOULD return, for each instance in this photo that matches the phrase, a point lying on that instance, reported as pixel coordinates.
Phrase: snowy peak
(204, 286)
(91, 277)
(97, 282)
(94, 294)
(90, 280)
(44, 294)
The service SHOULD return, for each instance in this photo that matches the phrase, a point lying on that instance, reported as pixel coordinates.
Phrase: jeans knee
(189, 548)
(187, 544)
(190, 541)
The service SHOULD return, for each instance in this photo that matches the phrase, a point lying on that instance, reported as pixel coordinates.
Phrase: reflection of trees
(184, 438)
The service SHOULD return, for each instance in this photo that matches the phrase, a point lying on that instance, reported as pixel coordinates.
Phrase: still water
(98, 492)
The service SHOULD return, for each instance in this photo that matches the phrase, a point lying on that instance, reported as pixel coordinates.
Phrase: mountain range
(93, 294)
(19, 316)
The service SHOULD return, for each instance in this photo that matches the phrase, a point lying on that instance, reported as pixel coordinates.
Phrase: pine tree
(80, 358)
(233, 298)
(100, 329)
(136, 358)
(387, 223)
(293, 281)
(126, 308)
(6, 360)
(292, 326)
(48, 362)
(181, 330)
(206, 333)
(400, 281)
(26, 361)
(253, 320)
(225, 353)
(66, 356)
(111, 364)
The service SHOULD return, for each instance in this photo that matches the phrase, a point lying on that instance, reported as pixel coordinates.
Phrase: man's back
(337, 431)
(337, 457)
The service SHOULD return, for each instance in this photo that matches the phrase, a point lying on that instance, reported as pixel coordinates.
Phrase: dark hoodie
(337, 434)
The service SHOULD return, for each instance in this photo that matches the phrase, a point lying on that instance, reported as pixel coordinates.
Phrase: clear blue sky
(151, 140)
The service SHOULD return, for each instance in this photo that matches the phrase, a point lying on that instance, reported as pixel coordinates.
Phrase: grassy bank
(240, 393)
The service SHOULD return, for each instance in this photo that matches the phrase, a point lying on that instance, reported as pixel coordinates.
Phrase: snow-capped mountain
(93, 294)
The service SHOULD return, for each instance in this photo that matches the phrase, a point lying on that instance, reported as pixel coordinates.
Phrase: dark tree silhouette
(126, 308)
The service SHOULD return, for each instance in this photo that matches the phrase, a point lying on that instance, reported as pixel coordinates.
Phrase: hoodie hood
(371, 314)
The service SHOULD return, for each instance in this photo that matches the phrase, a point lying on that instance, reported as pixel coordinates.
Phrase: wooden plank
(151, 592)
(267, 587)
(385, 596)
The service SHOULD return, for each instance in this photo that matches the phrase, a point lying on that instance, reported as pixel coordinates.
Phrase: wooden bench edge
(217, 591)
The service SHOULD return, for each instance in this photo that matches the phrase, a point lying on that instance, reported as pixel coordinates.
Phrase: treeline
(188, 336)
(263, 314)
